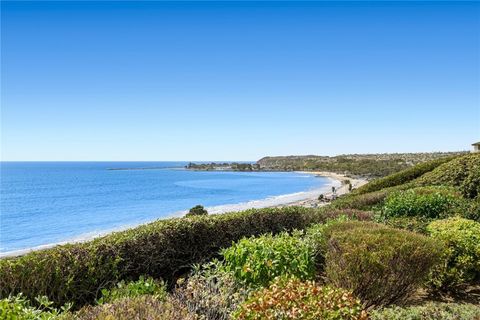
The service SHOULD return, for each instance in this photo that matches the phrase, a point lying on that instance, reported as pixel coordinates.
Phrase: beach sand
(313, 202)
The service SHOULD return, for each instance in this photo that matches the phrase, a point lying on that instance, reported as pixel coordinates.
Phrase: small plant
(461, 264)
(321, 197)
(429, 311)
(134, 289)
(257, 261)
(380, 265)
(426, 202)
(198, 210)
(210, 292)
(17, 307)
(296, 300)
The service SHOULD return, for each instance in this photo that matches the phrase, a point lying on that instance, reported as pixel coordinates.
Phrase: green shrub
(351, 214)
(472, 211)
(257, 261)
(211, 293)
(461, 263)
(296, 300)
(461, 173)
(17, 307)
(415, 224)
(470, 187)
(425, 202)
(380, 265)
(360, 201)
(137, 308)
(403, 176)
(164, 249)
(134, 289)
(429, 311)
(198, 210)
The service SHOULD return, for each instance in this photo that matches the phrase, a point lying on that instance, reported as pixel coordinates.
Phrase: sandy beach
(312, 201)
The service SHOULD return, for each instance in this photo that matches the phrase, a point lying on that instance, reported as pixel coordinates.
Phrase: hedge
(163, 249)
(380, 265)
(403, 176)
(461, 173)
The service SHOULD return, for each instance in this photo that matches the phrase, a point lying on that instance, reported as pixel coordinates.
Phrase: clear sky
(237, 81)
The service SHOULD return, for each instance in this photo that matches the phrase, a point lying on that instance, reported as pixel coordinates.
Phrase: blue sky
(237, 81)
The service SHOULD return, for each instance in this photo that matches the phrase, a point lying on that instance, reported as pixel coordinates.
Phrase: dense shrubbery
(403, 176)
(425, 202)
(462, 173)
(351, 214)
(134, 289)
(360, 201)
(429, 311)
(415, 224)
(257, 261)
(462, 257)
(296, 300)
(163, 249)
(380, 265)
(211, 293)
(138, 308)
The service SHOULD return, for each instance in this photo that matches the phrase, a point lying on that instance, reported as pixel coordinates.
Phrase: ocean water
(44, 203)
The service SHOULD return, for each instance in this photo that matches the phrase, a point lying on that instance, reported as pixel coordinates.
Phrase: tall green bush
(379, 265)
(425, 202)
(461, 264)
(257, 261)
(163, 250)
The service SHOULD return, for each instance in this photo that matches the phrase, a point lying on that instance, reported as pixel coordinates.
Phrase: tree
(198, 210)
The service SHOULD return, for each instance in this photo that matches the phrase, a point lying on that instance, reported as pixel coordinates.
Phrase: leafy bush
(134, 289)
(164, 249)
(138, 308)
(198, 210)
(461, 263)
(429, 311)
(472, 211)
(257, 261)
(403, 176)
(360, 201)
(461, 173)
(415, 224)
(470, 187)
(17, 307)
(351, 214)
(426, 202)
(293, 299)
(210, 292)
(380, 265)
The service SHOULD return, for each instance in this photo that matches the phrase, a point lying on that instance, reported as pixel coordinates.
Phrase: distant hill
(367, 165)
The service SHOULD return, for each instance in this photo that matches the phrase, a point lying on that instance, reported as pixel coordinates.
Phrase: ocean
(45, 203)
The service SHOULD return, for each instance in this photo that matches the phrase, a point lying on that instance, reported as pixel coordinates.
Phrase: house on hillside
(476, 147)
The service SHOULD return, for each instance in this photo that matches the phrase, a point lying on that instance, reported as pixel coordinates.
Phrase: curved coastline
(297, 198)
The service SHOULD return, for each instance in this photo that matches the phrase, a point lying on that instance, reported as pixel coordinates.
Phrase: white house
(476, 147)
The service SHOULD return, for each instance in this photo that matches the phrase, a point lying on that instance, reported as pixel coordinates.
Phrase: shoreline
(307, 198)
(341, 189)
